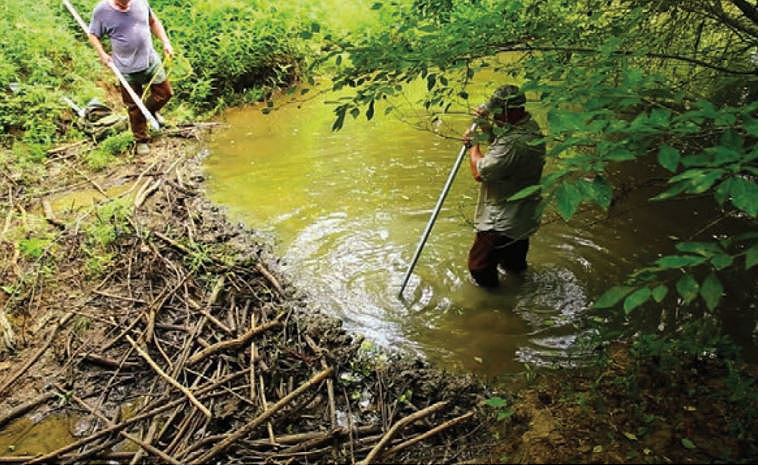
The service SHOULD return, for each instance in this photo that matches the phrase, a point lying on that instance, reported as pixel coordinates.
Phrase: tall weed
(42, 58)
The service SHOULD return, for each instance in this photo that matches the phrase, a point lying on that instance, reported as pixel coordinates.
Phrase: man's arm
(475, 155)
(105, 59)
(475, 151)
(157, 27)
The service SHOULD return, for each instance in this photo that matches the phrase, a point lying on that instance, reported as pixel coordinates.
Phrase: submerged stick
(109, 423)
(155, 411)
(169, 379)
(263, 417)
(399, 425)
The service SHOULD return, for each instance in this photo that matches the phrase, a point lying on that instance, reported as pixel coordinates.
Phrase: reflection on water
(347, 209)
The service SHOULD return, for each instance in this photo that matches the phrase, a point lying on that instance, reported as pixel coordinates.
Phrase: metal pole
(435, 213)
(136, 99)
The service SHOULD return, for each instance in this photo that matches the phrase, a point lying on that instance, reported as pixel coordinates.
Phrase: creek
(346, 210)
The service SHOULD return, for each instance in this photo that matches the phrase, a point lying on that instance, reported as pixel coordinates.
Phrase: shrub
(42, 58)
(118, 143)
(98, 159)
(232, 46)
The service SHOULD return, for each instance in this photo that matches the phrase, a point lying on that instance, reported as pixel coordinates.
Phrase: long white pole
(435, 213)
(136, 99)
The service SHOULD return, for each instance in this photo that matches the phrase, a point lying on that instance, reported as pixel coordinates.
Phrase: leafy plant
(98, 159)
(622, 83)
(33, 248)
(501, 406)
(118, 143)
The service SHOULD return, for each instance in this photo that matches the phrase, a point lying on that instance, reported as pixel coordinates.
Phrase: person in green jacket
(514, 160)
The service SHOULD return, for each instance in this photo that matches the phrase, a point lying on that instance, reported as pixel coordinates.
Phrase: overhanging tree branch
(747, 9)
(695, 61)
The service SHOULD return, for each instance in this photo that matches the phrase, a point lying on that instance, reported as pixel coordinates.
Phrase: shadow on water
(346, 210)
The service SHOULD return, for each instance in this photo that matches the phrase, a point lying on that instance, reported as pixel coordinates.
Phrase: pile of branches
(218, 360)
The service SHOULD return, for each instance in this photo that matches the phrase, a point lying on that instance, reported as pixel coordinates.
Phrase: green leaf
(340, 119)
(711, 291)
(751, 257)
(568, 198)
(620, 155)
(611, 297)
(671, 192)
(504, 414)
(744, 195)
(669, 157)
(430, 81)
(674, 262)
(496, 402)
(376, 6)
(602, 192)
(687, 287)
(722, 261)
(526, 192)
(751, 126)
(687, 443)
(702, 248)
(636, 299)
(660, 292)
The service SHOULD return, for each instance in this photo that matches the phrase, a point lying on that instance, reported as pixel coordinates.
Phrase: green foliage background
(227, 51)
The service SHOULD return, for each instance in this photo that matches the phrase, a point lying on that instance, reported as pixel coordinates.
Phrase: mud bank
(191, 347)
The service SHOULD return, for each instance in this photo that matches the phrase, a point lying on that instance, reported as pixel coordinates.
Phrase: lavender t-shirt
(131, 41)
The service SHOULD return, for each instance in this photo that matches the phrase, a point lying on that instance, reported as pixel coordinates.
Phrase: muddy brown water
(346, 210)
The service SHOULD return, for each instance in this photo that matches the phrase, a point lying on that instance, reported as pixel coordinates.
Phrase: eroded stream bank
(192, 345)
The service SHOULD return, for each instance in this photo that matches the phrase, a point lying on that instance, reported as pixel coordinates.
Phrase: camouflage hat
(507, 96)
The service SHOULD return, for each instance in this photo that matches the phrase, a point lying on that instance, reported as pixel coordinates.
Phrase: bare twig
(169, 379)
(427, 434)
(263, 417)
(235, 342)
(399, 425)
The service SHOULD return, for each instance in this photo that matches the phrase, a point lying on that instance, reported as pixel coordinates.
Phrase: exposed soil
(628, 413)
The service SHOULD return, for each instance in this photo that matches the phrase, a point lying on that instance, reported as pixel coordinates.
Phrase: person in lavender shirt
(129, 24)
